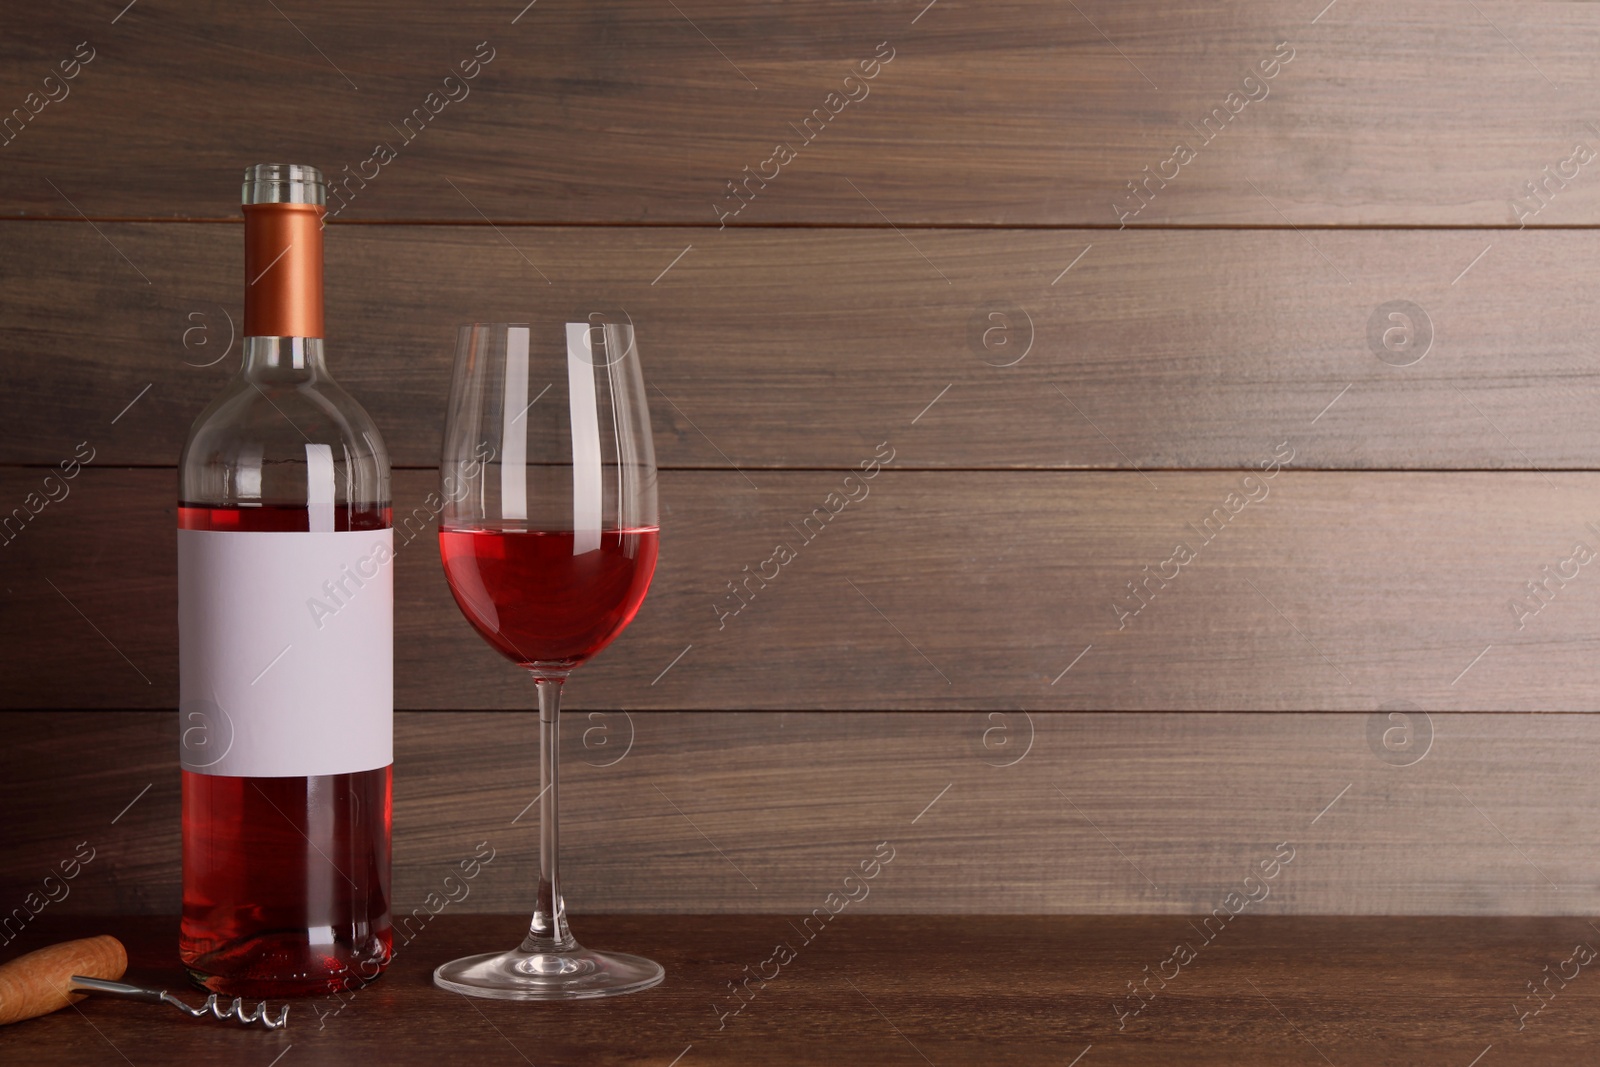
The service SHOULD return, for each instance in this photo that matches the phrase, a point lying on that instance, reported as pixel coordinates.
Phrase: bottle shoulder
(256, 437)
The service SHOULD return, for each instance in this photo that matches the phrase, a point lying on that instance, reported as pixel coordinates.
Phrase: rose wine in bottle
(285, 631)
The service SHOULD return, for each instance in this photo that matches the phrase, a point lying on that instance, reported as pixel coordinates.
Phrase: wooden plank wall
(1073, 376)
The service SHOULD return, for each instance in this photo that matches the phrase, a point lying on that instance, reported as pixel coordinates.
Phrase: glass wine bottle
(286, 604)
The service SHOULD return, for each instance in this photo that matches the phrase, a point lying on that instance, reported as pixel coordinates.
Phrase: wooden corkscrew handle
(37, 983)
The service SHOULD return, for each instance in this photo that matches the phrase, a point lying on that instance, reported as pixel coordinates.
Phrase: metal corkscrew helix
(236, 1010)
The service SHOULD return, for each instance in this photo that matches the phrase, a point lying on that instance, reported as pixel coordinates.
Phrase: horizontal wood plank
(1330, 591)
(1012, 813)
(1388, 992)
(785, 348)
(1022, 112)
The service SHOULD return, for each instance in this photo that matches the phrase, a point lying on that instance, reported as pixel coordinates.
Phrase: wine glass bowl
(548, 537)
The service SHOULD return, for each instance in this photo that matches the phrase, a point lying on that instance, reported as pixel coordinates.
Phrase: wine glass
(548, 536)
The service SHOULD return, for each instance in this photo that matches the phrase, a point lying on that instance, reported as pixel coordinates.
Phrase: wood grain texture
(989, 113)
(853, 301)
(1390, 992)
(766, 812)
(784, 348)
(1333, 591)
(969, 990)
(39, 982)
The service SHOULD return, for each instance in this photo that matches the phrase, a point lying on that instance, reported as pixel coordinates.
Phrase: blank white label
(285, 652)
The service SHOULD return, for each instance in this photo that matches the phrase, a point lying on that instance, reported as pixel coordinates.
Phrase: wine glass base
(573, 975)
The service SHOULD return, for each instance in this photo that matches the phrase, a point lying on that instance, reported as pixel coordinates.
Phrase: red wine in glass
(536, 599)
(548, 537)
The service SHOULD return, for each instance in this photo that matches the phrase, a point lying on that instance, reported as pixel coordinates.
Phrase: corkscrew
(50, 978)
(212, 1006)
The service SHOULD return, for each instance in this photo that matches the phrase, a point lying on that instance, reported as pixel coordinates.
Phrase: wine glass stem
(548, 930)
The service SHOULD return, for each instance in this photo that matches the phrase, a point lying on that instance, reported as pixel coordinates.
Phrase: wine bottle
(285, 632)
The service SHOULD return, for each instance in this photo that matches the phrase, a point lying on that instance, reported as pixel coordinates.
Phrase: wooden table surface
(884, 989)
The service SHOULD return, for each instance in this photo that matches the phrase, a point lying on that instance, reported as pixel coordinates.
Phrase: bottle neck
(283, 270)
(282, 359)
